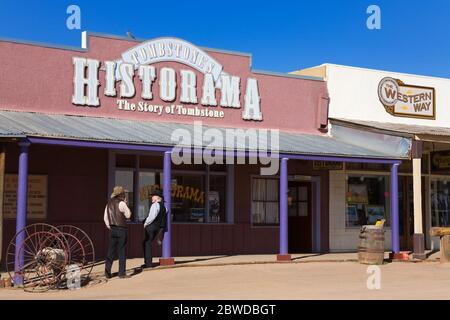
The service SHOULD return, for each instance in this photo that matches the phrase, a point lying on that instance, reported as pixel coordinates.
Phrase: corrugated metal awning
(29, 124)
(396, 128)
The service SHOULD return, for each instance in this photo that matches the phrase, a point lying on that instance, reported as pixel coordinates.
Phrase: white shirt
(122, 207)
(153, 213)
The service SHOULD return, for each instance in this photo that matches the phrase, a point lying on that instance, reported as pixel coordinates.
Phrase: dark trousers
(118, 237)
(151, 233)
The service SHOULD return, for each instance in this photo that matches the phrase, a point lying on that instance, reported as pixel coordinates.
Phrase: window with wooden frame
(265, 202)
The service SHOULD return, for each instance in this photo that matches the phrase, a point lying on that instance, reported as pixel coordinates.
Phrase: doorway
(300, 217)
(406, 211)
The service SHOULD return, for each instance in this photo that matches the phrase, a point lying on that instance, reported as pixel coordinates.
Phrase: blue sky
(281, 35)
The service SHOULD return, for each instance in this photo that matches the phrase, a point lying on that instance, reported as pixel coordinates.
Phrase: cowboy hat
(156, 192)
(118, 190)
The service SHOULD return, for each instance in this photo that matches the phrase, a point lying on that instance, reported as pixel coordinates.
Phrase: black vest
(160, 221)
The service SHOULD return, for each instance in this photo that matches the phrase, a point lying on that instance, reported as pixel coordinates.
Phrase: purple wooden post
(167, 193)
(21, 219)
(136, 188)
(283, 255)
(394, 209)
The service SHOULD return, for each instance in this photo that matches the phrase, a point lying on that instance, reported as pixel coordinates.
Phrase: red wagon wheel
(45, 253)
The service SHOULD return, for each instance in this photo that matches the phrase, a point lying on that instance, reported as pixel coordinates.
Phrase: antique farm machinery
(50, 257)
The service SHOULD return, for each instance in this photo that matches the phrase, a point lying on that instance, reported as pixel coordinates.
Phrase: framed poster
(357, 193)
(37, 196)
(352, 215)
(214, 206)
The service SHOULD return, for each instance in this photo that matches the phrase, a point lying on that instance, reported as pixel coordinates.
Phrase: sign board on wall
(145, 62)
(37, 196)
(404, 100)
(440, 160)
(327, 165)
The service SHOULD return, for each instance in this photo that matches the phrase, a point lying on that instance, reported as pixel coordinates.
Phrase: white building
(364, 103)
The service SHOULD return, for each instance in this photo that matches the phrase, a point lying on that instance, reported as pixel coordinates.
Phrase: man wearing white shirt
(115, 215)
(154, 225)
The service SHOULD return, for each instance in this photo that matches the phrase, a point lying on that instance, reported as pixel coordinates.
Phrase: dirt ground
(313, 280)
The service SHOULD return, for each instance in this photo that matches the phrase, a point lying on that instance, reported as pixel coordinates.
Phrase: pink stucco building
(76, 122)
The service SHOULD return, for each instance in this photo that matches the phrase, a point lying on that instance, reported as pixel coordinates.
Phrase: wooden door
(406, 212)
(300, 220)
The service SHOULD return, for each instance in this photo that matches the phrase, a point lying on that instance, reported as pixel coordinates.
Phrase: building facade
(398, 104)
(261, 176)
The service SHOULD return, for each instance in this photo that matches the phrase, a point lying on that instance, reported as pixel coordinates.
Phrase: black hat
(156, 192)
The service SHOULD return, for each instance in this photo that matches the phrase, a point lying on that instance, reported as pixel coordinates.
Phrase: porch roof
(419, 132)
(15, 124)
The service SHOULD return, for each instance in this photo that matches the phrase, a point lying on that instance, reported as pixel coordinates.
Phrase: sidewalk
(205, 261)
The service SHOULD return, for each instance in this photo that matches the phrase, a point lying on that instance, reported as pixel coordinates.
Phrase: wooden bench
(444, 234)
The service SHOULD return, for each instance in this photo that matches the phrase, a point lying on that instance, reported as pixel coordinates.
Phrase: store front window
(191, 202)
(148, 182)
(265, 202)
(367, 200)
(188, 198)
(440, 202)
(124, 178)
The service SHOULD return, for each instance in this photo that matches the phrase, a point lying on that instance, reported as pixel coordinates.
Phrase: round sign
(387, 91)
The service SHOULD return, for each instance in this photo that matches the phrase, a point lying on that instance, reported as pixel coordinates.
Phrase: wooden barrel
(371, 245)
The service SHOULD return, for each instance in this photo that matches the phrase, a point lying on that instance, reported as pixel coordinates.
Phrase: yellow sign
(178, 192)
(37, 197)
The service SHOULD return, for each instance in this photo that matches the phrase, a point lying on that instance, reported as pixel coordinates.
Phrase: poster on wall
(357, 193)
(37, 196)
(214, 206)
(352, 215)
